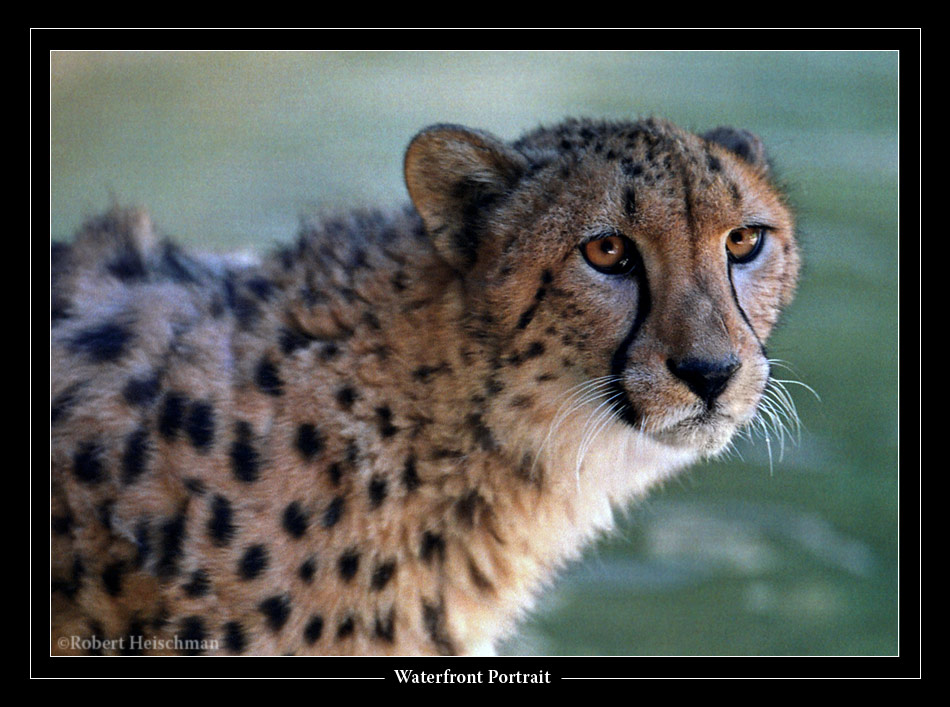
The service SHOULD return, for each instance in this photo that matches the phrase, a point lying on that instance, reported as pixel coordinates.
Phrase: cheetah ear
(453, 174)
(746, 145)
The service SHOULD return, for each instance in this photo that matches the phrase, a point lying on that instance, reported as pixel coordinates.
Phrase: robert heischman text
(450, 677)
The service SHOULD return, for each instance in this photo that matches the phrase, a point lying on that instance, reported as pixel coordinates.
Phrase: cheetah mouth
(708, 431)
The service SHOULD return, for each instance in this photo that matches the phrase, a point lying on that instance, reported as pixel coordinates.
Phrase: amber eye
(612, 254)
(743, 244)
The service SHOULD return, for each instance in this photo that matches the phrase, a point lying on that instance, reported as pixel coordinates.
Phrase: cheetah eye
(612, 254)
(744, 244)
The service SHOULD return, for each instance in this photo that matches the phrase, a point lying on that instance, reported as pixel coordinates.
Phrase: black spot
(535, 349)
(221, 524)
(346, 396)
(480, 433)
(384, 628)
(478, 577)
(134, 639)
(307, 570)
(371, 321)
(335, 470)
(61, 524)
(171, 539)
(198, 585)
(267, 378)
(143, 543)
(59, 308)
(63, 403)
(104, 513)
(348, 564)
(103, 344)
(260, 288)
(127, 266)
(292, 340)
(172, 414)
(276, 610)
(333, 513)
(346, 627)
(352, 452)
(192, 635)
(433, 619)
(329, 352)
(142, 391)
(466, 506)
(200, 425)
(294, 520)
(631, 169)
(177, 266)
(424, 373)
(382, 574)
(309, 441)
(71, 586)
(384, 421)
(87, 463)
(136, 454)
(432, 547)
(253, 563)
(313, 630)
(112, 578)
(530, 471)
(245, 309)
(161, 618)
(736, 193)
(443, 453)
(399, 281)
(235, 639)
(59, 254)
(410, 476)
(97, 631)
(521, 401)
(525, 319)
(377, 491)
(195, 486)
(245, 462)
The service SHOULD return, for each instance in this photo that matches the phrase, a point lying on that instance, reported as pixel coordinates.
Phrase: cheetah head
(633, 268)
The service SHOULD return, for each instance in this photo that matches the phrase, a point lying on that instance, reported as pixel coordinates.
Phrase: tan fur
(378, 440)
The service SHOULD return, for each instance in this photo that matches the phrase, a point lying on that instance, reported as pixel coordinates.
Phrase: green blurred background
(797, 555)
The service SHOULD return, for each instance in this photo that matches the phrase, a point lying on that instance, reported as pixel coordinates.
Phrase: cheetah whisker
(577, 396)
(777, 415)
(598, 419)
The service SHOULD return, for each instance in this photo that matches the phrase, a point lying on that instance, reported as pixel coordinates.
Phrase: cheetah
(387, 437)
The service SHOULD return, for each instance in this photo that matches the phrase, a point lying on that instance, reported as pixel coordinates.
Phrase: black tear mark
(619, 360)
(630, 202)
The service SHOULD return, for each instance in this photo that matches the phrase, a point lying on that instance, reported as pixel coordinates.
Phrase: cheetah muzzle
(384, 438)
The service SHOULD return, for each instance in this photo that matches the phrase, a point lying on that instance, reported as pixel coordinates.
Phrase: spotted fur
(384, 438)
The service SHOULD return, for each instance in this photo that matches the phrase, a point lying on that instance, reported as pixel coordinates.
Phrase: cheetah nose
(704, 377)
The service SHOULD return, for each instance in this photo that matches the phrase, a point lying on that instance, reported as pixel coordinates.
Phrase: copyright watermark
(135, 643)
